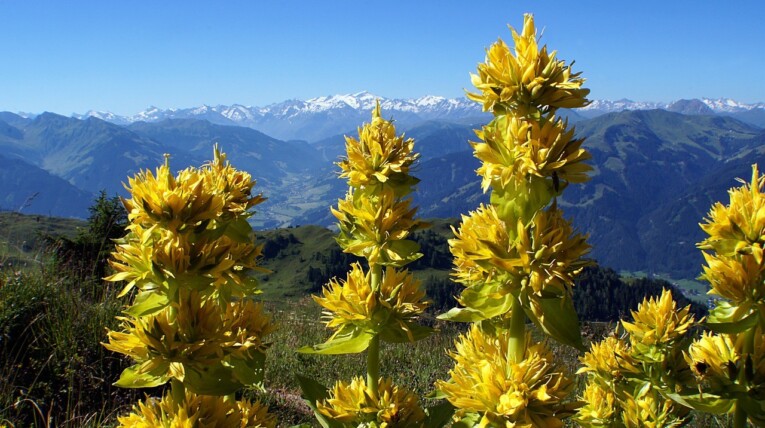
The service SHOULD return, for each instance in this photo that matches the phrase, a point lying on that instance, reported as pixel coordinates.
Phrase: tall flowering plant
(654, 377)
(518, 256)
(187, 261)
(380, 301)
(729, 361)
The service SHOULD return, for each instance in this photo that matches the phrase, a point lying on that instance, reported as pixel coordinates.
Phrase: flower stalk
(189, 258)
(518, 256)
(382, 302)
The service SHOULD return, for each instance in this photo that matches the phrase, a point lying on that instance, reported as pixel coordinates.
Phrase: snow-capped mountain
(322, 117)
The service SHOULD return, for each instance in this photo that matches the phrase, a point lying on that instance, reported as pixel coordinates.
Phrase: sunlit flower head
(515, 149)
(175, 204)
(379, 156)
(739, 279)
(198, 411)
(658, 323)
(351, 405)
(504, 392)
(608, 360)
(352, 301)
(739, 227)
(527, 79)
(713, 358)
(377, 226)
(543, 256)
(647, 408)
(600, 407)
(194, 333)
(151, 257)
(233, 186)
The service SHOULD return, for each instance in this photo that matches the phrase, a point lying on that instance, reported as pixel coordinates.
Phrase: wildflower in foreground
(352, 405)
(529, 392)
(600, 407)
(198, 411)
(739, 227)
(658, 325)
(379, 156)
(609, 360)
(647, 408)
(353, 303)
(527, 79)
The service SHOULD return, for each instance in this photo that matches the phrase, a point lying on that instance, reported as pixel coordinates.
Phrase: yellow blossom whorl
(352, 405)
(198, 411)
(528, 80)
(504, 392)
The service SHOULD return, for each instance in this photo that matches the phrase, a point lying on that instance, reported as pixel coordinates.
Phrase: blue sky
(122, 56)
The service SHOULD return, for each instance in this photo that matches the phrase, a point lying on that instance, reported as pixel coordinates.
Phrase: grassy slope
(22, 236)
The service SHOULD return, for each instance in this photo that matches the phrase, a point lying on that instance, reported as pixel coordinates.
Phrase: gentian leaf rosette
(357, 313)
(535, 262)
(198, 411)
(349, 404)
(495, 391)
(528, 81)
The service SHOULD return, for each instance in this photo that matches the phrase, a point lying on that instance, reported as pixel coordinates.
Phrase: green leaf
(211, 380)
(723, 312)
(131, 378)
(147, 303)
(707, 403)
(481, 302)
(351, 341)
(405, 250)
(468, 421)
(249, 371)
(462, 315)
(239, 230)
(438, 416)
(395, 333)
(557, 317)
(314, 392)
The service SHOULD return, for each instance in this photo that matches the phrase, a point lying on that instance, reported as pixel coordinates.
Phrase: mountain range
(656, 170)
(321, 117)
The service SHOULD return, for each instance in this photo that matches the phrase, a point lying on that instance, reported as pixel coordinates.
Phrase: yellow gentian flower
(647, 408)
(379, 156)
(528, 80)
(352, 301)
(739, 227)
(198, 411)
(353, 406)
(657, 325)
(541, 257)
(600, 407)
(609, 360)
(513, 149)
(485, 380)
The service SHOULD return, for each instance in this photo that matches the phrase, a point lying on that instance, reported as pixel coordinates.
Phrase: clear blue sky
(122, 56)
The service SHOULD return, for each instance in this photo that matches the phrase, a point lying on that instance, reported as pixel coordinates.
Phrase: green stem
(739, 417)
(373, 352)
(178, 391)
(516, 345)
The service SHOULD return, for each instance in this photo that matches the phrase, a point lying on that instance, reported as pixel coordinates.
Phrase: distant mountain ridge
(655, 172)
(318, 118)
